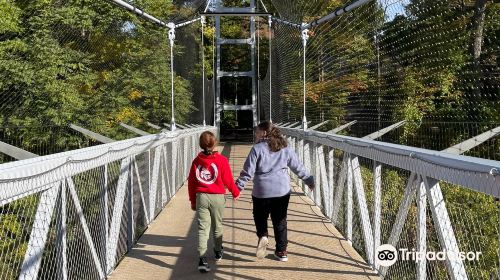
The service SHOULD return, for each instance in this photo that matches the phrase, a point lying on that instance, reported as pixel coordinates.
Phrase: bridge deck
(316, 249)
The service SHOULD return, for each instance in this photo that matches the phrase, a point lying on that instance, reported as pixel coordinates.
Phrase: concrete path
(316, 250)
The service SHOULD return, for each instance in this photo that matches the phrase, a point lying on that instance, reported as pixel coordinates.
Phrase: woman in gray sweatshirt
(268, 163)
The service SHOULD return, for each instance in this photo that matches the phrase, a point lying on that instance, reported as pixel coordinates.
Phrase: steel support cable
(305, 11)
(259, 93)
(207, 6)
(203, 65)
(270, 26)
(214, 77)
(337, 13)
(151, 18)
(305, 37)
(171, 37)
(139, 12)
(185, 23)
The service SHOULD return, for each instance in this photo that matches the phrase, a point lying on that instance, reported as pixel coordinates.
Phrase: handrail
(147, 170)
(476, 173)
(31, 175)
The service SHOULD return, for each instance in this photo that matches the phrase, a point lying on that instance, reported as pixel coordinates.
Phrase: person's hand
(193, 207)
(236, 197)
(310, 182)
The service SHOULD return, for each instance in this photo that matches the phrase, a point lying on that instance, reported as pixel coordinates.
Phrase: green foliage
(85, 62)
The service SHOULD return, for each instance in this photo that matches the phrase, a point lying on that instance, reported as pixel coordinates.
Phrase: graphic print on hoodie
(207, 175)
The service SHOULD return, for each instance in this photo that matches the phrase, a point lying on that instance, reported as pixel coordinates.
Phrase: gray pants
(209, 208)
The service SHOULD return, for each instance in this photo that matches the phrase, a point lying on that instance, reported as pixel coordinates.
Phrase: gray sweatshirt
(270, 171)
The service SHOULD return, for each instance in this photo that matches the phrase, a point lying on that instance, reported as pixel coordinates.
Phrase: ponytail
(208, 141)
(275, 139)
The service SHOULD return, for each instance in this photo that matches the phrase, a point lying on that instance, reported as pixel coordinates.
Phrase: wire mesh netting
(474, 216)
(431, 64)
(82, 226)
(95, 65)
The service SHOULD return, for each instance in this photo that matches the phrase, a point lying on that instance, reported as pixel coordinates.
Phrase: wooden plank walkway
(316, 250)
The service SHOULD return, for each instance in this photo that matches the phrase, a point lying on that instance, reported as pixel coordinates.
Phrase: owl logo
(207, 176)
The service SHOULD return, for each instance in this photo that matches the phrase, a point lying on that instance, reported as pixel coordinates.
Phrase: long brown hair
(275, 139)
(208, 141)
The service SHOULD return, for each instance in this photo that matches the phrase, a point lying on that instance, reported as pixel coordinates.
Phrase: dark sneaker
(281, 256)
(262, 247)
(203, 265)
(218, 254)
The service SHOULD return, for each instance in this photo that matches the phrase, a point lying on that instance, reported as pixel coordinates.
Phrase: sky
(394, 7)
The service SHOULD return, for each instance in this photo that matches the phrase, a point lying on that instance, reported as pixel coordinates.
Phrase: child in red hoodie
(209, 173)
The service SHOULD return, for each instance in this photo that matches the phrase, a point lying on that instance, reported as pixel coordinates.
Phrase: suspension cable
(336, 13)
(321, 20)
(187, 22)
(203, 65)
(139, 12)
(149, 17)
(171, 37)
(270, 23)
(296, 25)
(305, 37)
(259, 97)
(214, 78)
(208, 5)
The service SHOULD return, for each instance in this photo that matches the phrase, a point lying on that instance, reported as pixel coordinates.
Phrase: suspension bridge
(391, 104)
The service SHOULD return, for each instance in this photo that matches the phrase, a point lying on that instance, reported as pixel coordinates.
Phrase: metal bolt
(495, 172)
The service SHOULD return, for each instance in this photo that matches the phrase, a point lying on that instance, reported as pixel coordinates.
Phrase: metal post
(331, 163)
(105, 226)
(270, 24)
(305, 37)
(130, 218)
(116, 218)
(377, 207)
(61, 234)
(444, 229)
(348, 229)
(39, 233)
(171, 38)
(421, 229)
(203, 21)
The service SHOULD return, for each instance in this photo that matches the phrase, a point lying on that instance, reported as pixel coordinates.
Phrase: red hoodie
(209, 174)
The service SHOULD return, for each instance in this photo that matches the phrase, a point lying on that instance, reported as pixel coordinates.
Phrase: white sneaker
(262, 247)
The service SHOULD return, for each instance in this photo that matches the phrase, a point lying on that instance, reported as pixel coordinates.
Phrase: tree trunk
(477, 44)
(477, 29)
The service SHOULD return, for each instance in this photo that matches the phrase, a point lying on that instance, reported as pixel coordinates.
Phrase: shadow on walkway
(168, 249)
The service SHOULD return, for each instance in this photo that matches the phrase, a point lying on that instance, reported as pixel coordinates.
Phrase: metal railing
(75, 214)
(421, 200)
